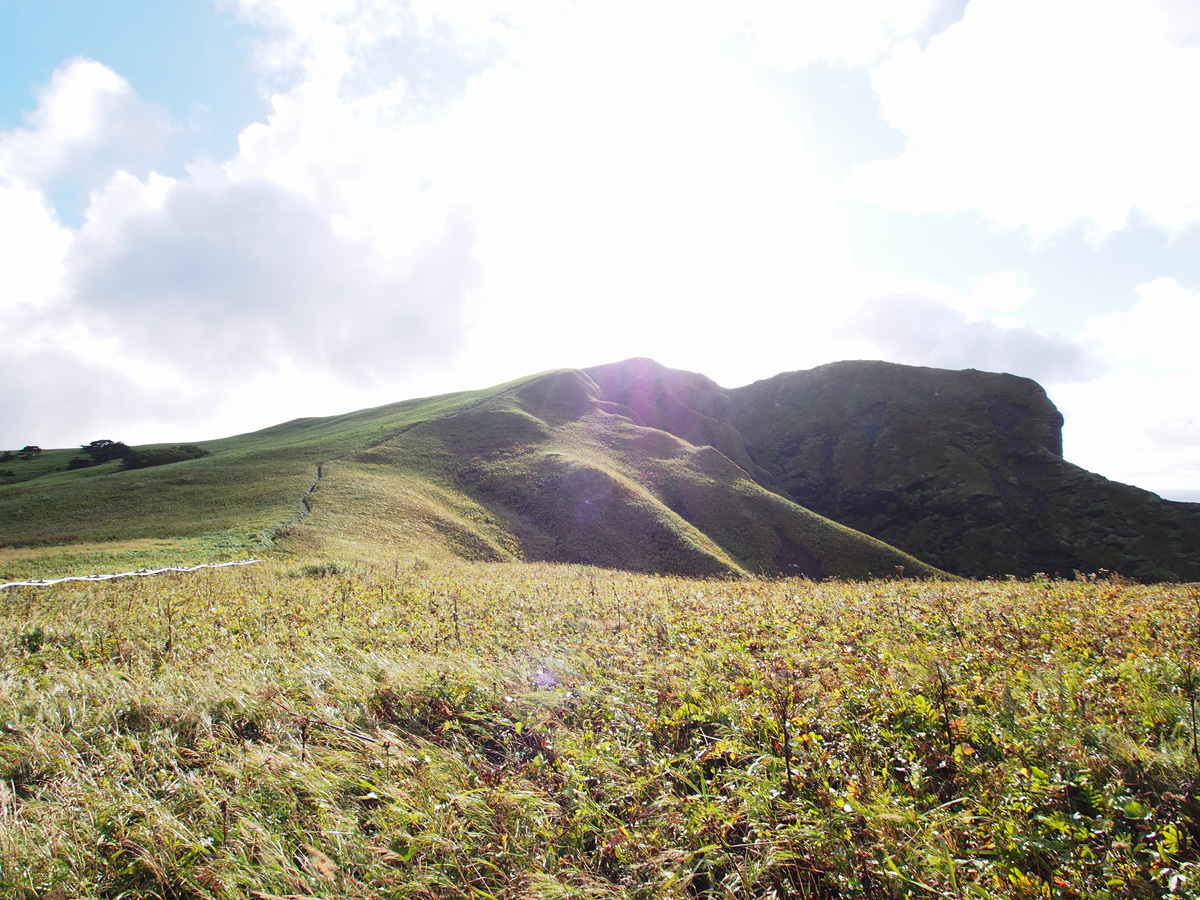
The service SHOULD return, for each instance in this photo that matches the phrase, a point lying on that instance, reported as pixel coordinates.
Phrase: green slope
(963, 469)
(547, 469)
(544, 468)
(231, 503)
(635, 466)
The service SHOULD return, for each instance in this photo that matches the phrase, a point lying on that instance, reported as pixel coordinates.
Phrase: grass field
(506, 730)
(230, 505)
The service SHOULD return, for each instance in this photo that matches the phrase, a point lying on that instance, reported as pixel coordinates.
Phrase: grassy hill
(231, 503)
(545, 468)
(635, 466)
(963, 469)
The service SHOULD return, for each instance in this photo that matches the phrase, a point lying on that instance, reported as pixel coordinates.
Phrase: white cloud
(791, 35)
(1183, 21)
(219, 278)
(1158, 334)
(1001, 291)
(124, 197)
(1139, 421)
(1044, 116)
(1135, 427)
(923, 330)
(88, 123)
(628, 179)
(226, 280)
(55, 398)
(412, 52)
(32, 246)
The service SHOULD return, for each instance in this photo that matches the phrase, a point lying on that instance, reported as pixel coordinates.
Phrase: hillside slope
(961, 468)
(545, 468)
(556, 472)
(633, 465)
(237, 501)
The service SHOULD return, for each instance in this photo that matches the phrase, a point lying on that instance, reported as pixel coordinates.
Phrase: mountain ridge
(964, 469)
(961, 468)
(852, 469)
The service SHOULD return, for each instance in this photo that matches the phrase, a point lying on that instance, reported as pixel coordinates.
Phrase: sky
(215, 217)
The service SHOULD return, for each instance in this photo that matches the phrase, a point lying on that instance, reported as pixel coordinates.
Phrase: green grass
(86, 558)
(228, 505)
(527, 730)
(539, 469)
(37, 465)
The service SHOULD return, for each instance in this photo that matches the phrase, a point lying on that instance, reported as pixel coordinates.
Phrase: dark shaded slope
(685, 404)
(963, 469)
(570, 467)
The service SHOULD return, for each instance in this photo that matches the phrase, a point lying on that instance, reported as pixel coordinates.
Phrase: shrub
(325, 570)
(144, 459)
(103, 451)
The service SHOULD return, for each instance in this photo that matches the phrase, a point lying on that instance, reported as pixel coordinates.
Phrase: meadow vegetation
(504, 730)
(233, 503)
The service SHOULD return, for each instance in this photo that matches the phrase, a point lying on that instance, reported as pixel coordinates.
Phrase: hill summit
(962, 469)
(849, 469)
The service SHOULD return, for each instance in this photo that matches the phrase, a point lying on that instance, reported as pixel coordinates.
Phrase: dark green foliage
(326, 569)
(962, 469)
(161, 456)
(26, 453)
(103, 451)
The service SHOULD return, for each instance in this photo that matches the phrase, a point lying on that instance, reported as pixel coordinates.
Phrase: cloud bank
(445, 197)
(1046, 116)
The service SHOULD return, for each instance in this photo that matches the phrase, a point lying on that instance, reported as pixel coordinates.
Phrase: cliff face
(963, 469)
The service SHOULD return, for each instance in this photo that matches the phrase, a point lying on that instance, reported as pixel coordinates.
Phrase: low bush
(161, 456)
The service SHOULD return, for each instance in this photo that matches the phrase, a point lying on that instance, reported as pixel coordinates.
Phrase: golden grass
(514, 730)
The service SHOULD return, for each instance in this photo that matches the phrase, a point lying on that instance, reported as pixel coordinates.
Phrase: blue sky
(217, 217)
(187, 57)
